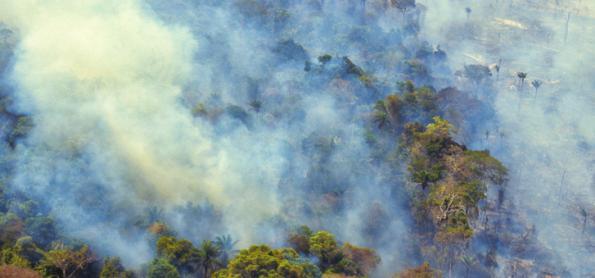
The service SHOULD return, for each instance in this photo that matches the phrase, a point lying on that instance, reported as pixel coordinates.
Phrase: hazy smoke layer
(103, 81)
(546, 135)
(228, 123)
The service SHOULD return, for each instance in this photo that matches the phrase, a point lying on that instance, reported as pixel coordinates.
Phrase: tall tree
(226, 248)
(67, 260)
(536, 84)
(324, 246)
(112, 268)
(161, 268)
(209, 254)
(522, 75)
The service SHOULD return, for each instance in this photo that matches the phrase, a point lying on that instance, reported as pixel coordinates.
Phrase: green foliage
(417, 104)
(27, 249)
(456, 179)
(209, 254)
(180, 253)
(387, 112)
(425, 150)
(299, 239)
(343, 266)
(11, 256)
(324, 246)
(112, 268)
(423, 171)
(262, 261)
(226, 248)
(66, 261)
(161, 268)
(424, 97)
(472, 192)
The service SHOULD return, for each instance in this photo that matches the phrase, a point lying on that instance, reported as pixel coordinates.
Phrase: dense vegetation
(448, 182)
(375, 133)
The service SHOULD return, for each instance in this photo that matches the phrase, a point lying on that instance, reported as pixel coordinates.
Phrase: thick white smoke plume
(220, 113)
(103, 81)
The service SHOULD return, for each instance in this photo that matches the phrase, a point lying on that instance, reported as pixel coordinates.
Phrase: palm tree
(497, 67)
(226, 247)
(584, 215)
(380, 115)
(208, 252)
(468, 261)
(522, 76)
(536, 84)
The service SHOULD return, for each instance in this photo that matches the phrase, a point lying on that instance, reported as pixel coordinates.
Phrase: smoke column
(103, 81)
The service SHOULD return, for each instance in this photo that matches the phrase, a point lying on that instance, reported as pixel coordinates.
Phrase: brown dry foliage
(9, 271)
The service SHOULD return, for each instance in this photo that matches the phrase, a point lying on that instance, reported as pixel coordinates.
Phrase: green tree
(209, 254)
(226, 248)
(180, 253)
(112, 268)
(27, 249)
(262, 261)
(161, 268)
(68, 261)
(11, 256)
(324, 246)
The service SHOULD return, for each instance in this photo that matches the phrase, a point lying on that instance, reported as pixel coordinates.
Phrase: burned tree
(521, 75)
(536, 84)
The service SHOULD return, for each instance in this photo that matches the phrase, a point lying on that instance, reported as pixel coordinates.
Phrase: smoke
(544, 135)
(217, 116)
(112, 88)
(103, 82)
